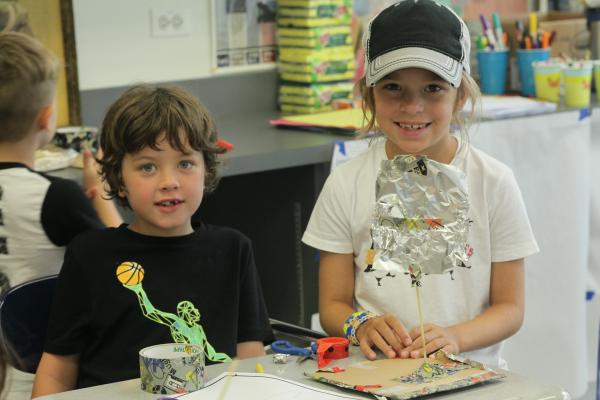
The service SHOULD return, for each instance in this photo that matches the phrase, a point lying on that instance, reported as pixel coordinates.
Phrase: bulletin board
(51, 22)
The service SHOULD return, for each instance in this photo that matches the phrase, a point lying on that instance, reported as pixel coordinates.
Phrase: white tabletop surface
(512, 387)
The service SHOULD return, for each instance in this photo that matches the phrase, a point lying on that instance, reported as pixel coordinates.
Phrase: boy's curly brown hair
(140, 117)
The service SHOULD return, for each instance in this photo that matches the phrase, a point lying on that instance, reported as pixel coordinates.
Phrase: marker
(487, 30)
(259, 368)
(519, 33)
(481, 42)
(545, 40)
(528, 42)
(533, 29)
(552, 37)
(498, 30)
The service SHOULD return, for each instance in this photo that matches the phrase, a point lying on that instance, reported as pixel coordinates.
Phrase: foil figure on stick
(421, 220)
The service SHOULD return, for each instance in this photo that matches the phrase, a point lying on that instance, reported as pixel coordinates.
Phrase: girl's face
(164, 188)
(414, 108)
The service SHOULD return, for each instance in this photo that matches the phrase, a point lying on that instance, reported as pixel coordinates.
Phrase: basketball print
(130, 273)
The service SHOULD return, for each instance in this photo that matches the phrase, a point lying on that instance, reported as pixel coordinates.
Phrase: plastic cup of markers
(492, 71)
(597, 78)
(578, 84)
(525, 60)
(547, 77)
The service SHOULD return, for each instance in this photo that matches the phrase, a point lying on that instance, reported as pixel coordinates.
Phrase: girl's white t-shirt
(500, 231)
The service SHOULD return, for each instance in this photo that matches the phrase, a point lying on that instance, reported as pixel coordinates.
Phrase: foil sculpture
(421, 219)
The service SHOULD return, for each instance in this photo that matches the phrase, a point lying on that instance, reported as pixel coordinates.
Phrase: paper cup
(547, 78)
(578, 84)
(525, 59)
(492, 71)
(171, 368)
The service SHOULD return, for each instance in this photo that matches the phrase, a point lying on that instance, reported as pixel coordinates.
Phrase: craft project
(421, 220)
(184, 325)
(408, 378)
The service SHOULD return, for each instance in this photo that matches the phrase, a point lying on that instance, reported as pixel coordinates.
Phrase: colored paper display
(401, 379)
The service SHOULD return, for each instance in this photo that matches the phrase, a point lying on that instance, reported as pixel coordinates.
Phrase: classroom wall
(115, 46)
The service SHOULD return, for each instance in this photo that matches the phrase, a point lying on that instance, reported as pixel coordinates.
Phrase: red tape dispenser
(331, 348)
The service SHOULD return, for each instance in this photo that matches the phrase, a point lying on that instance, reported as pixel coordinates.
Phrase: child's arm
(250, 349)
(336, 292)
(501, 320)
(94, 189)
(55, 374)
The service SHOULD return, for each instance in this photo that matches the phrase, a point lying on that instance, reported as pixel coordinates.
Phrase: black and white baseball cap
(417, 33)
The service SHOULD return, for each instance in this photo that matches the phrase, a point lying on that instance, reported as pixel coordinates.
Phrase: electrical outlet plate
(165, 22)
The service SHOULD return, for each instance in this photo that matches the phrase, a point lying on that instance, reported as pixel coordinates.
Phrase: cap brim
(414, 57)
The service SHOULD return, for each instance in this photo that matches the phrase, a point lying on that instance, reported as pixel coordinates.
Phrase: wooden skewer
(421, 322)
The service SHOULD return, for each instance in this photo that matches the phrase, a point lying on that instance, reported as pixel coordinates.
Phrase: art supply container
(547, 77)
(171, 368)
(525, 59)
(493, 66)
(578, 84)
(597, 77)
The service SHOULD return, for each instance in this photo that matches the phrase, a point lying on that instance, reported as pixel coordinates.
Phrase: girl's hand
(436, 338)
(386, 333)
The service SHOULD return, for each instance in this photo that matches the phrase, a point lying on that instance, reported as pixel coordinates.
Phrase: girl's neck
(443, 153)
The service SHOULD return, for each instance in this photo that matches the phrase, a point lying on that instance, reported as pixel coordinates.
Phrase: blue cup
(525, 59)
(492, 71)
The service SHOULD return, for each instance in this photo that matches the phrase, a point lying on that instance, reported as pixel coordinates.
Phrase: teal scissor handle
(285, 347)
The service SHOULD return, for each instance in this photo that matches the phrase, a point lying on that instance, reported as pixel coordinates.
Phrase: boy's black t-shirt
(94, 315)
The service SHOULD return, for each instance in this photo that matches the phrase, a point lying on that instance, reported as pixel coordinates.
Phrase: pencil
(230, 372)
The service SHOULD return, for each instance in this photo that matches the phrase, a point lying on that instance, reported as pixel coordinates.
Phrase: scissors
(285, 347)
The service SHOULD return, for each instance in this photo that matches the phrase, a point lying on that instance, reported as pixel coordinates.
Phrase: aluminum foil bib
(421, 219)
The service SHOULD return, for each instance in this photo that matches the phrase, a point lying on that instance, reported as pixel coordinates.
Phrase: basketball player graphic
(184, 326)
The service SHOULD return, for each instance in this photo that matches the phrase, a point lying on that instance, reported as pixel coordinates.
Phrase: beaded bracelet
(353, 322)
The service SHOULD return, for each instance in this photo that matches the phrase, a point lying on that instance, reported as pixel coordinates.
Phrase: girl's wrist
(353, 322)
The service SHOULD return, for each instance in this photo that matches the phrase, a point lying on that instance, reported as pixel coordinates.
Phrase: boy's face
(164, 188)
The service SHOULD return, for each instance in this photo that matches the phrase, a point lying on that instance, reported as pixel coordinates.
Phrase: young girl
(415, 86)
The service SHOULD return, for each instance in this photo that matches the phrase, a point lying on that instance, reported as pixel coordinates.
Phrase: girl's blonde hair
(468, 90)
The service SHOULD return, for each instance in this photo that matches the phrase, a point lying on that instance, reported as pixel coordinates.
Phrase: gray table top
(259, 146)
(512, 387)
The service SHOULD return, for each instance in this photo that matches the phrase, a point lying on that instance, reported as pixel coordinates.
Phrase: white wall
(115, 46)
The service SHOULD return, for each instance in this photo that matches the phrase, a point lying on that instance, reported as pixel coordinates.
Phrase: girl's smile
(413, 109)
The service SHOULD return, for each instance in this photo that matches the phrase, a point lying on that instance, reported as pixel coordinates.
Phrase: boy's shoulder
(211, 235)
(219, 234)
(96, 237)
(22, 174)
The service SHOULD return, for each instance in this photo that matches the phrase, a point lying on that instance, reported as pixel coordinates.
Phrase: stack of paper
(346, 121)
(496, 107)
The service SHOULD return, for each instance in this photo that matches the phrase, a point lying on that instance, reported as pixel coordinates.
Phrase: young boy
(158, 279)
(39, 214)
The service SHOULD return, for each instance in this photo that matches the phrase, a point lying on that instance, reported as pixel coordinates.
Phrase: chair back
(24, 312)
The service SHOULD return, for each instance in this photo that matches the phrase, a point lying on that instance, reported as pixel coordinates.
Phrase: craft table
(513, 387)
